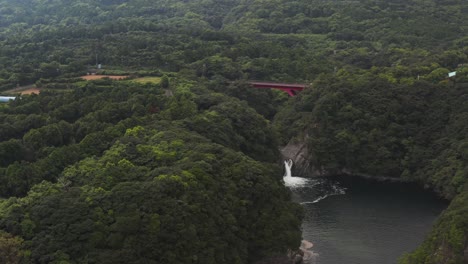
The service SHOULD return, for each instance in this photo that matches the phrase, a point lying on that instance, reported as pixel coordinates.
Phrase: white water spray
(288, 166)
(335, 190)
(291, 181)
(298, 182)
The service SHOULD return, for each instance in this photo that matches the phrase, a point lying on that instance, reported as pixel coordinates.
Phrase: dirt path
(27, 89)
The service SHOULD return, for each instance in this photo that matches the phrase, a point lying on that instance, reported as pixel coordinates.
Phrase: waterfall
(288, 165)
(289, 180)
(299, 182)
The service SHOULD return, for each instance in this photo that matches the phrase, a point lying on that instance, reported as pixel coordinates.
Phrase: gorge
(362, 221)
(179, 161)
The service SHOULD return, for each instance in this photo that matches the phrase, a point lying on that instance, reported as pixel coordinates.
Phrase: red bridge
(291, 89)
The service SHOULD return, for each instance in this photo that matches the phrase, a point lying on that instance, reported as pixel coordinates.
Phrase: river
(355, 221)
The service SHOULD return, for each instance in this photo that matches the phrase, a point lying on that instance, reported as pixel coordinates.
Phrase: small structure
(93, 71)
(6, 99)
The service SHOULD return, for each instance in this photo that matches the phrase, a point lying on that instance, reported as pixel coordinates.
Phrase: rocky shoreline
(304, 255)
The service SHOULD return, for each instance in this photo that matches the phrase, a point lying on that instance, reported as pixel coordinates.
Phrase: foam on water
(321, 189)
(291, 181)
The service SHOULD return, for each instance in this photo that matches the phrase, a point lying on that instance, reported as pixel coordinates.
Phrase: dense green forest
(121, 173)
(187, 170)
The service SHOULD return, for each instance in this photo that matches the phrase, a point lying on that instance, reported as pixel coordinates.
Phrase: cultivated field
(144, 80)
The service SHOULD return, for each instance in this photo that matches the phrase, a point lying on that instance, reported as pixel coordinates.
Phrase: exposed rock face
(298, 152)
(308, 256)
(297, 259)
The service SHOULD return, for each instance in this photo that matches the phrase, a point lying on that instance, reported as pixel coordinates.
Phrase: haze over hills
(155, 171)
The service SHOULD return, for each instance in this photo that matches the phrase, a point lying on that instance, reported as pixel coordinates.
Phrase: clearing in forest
(33, 90)
(149, 79)
(96, 77)
(29, 89)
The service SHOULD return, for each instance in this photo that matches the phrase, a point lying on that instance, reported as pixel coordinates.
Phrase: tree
(10, 249)
(49, 70)
(164, 81)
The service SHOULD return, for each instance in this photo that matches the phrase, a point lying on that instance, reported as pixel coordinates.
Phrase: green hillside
(185, 169)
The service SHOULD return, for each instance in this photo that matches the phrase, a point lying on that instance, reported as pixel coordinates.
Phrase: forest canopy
(182, 166)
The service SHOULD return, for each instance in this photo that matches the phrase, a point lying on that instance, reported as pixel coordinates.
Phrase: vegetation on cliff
(360, 124)
(108, 171)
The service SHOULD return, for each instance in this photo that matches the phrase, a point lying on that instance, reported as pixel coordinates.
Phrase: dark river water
(355, 221)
